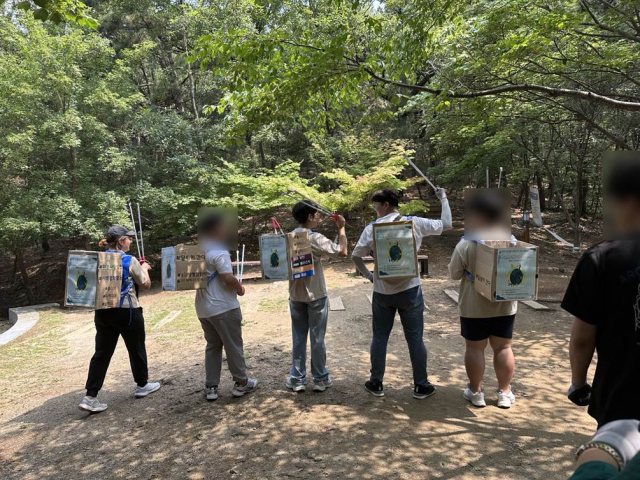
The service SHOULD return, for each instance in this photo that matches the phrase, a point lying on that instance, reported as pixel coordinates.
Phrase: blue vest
(127, 281)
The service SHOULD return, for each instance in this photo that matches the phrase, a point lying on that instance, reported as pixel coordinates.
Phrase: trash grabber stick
(242, 264)
(133, 221)
(487, 177)
(141, 239)
(420, 173)
(333, 216)
(276, 226)
(316, 206)
(322, 208)
(500, 178)
(327, 213)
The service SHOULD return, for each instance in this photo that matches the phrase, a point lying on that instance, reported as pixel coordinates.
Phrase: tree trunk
(46, 248)
(192, 83)
(578, 204)
(541, 192)
(25, 276)
(263, 160)
(74, 158)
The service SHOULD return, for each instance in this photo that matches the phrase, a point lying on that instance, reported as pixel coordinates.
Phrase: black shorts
(476, 329)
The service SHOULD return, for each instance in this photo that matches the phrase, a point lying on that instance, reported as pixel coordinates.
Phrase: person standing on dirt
(126, 320)
(483, 321)
(604, 297)
(309, 304)
(219, 311)
(398, 295)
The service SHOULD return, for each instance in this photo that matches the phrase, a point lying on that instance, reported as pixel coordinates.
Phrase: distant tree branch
(602, 26)
(549, 91)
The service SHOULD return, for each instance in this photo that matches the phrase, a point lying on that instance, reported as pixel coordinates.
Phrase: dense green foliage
(179, 104)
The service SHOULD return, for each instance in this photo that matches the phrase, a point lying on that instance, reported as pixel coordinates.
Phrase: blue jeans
(410, 305)
(309, 318)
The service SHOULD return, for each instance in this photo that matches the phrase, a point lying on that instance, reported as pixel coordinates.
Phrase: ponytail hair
(110, 241)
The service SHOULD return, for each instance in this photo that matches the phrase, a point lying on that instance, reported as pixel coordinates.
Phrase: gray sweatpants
(223, 330)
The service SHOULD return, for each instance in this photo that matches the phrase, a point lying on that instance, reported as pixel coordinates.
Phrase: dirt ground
(341, 433)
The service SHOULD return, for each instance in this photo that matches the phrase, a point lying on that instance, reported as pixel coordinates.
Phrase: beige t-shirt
(470, 303)
(312, 288)
(139, 276)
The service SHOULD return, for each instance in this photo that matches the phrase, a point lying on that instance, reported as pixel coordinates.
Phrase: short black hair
(302, 210)
(488, 207)
(623, 176)
(387, 195)
(209, 223)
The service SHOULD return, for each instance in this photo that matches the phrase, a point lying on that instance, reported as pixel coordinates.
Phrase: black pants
(110, 324)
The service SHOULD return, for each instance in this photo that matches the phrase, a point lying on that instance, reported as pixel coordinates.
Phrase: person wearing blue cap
(126, 320)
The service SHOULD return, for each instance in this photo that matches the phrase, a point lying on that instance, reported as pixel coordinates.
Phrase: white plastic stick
(140, 227)
(133, 221)
(487, 177)
(500, 178)
(322, 208)
(420, 173)
(317, 207)
(242, 264)
(238, 264)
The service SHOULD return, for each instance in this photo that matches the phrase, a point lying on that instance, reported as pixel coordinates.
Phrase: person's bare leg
(474, 363)
(503, 361)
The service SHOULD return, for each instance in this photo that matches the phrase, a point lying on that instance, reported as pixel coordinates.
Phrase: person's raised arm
(581, 348)
(445, 217)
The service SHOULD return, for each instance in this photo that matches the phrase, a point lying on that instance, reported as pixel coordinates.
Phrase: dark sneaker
(421, 391)
(375, 388)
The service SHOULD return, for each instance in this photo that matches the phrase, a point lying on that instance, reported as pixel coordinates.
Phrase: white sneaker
(296, 387)
(505, 400)
(147, 389)
(240, 390)
(322, 386)
(211, 393)
(92, 405)
(475, 398)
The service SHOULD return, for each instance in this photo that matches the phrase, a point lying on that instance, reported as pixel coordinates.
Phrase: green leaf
(41, 14)
(24, 5)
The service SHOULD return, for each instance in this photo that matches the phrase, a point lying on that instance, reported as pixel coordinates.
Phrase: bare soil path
(341, 433)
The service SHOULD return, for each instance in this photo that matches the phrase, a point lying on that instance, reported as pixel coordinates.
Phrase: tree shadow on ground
(341, 433)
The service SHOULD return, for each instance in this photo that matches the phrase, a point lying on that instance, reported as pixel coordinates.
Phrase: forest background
(183, 104)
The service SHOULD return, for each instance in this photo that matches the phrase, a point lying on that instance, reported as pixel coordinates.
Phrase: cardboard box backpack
(506, 272)
(93, 279)
(274, 258)
(286, 256)
(394, 250)
(299, 255)
(184, 267)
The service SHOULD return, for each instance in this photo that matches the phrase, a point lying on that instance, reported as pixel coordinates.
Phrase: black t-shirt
(605, 292)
